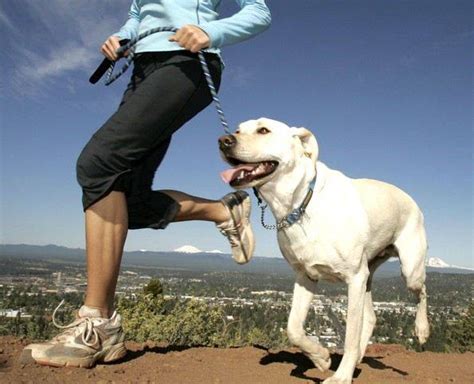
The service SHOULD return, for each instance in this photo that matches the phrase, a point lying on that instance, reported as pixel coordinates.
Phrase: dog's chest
(316, 260)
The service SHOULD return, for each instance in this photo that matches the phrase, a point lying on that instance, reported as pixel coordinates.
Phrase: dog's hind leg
(302, 295)
(422, 327)
(411, 246)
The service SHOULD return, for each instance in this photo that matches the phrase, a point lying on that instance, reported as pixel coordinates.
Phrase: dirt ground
(150, 363)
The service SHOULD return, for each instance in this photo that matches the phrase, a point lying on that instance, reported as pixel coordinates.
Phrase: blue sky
(386, 86)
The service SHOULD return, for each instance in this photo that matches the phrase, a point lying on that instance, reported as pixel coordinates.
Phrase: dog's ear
(308, 141)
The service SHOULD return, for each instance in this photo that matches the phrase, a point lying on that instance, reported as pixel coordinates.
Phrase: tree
(154, 288)
(460, 335)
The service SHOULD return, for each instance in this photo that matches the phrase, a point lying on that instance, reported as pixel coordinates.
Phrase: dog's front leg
(302, 295)
(355, 310)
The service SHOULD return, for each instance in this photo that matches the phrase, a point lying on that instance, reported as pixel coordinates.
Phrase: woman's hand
(192, 38)
(109, 47)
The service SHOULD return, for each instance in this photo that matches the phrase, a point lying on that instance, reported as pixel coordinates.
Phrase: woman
(116, 167)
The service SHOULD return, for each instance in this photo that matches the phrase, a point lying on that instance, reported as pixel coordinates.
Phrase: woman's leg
(106, 230)
(117, 166)
(198, 208)
(154, 107)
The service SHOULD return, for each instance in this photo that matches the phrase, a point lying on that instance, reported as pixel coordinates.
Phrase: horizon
(428, 259)
(385, 86)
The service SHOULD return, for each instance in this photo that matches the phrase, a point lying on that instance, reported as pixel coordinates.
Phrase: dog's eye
(263, 131)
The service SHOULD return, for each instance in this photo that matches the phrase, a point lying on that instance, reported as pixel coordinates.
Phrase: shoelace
(87, 332)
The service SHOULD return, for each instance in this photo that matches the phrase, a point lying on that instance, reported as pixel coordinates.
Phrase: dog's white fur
(350, 227)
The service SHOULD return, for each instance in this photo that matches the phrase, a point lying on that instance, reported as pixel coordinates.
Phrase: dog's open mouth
(244, 173)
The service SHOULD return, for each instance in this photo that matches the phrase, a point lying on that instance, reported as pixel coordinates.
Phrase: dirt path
(150, 363)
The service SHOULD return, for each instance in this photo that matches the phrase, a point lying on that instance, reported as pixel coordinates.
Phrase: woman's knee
(92, 165)
(83, 167)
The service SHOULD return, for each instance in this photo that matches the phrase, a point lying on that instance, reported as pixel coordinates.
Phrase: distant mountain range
(192, 259)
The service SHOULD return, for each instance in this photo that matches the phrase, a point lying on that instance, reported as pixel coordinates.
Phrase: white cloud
(65, 37)
(66, 58)
(5, 20)
(240, 77)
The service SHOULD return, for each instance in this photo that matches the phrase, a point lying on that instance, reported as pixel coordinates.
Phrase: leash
(108, 66)
(128, 45)
(293, 216)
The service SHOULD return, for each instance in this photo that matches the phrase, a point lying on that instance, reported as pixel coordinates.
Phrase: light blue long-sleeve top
(253, 18)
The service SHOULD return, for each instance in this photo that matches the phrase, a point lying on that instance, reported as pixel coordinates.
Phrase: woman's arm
(130, 28)
(128, 31)
(253, 18)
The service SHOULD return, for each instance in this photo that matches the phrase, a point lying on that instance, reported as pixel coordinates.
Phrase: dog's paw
(320, 363)
(422, 335)
(337, 380)
(422, 331)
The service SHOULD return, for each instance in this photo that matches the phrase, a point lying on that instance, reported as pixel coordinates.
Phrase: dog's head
(264, 149)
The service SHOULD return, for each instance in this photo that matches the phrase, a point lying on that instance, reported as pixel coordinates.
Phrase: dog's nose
(227, 142)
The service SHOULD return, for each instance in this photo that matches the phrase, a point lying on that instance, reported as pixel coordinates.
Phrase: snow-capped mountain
(193, 249)
(436, 262)
(187, 249)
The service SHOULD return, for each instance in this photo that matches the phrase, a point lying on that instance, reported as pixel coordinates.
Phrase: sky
(385, 85)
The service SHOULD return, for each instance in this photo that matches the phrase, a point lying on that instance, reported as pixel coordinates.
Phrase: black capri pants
(165, 91)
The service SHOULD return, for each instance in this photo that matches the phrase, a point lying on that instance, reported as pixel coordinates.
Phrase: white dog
(348, 228)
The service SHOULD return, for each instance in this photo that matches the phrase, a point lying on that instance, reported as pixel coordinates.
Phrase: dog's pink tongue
(230, 174)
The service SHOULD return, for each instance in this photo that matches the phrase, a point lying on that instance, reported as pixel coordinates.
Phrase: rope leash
(288, 220)
(129, 46)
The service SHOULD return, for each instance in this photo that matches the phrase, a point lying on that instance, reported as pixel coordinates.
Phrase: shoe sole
(247, 206)
(108, 355)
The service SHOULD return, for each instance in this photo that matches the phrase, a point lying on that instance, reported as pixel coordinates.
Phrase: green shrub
(176, 322)
(460, 335)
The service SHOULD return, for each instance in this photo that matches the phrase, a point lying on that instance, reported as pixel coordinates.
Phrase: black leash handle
(104, 66)
(130, 47)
